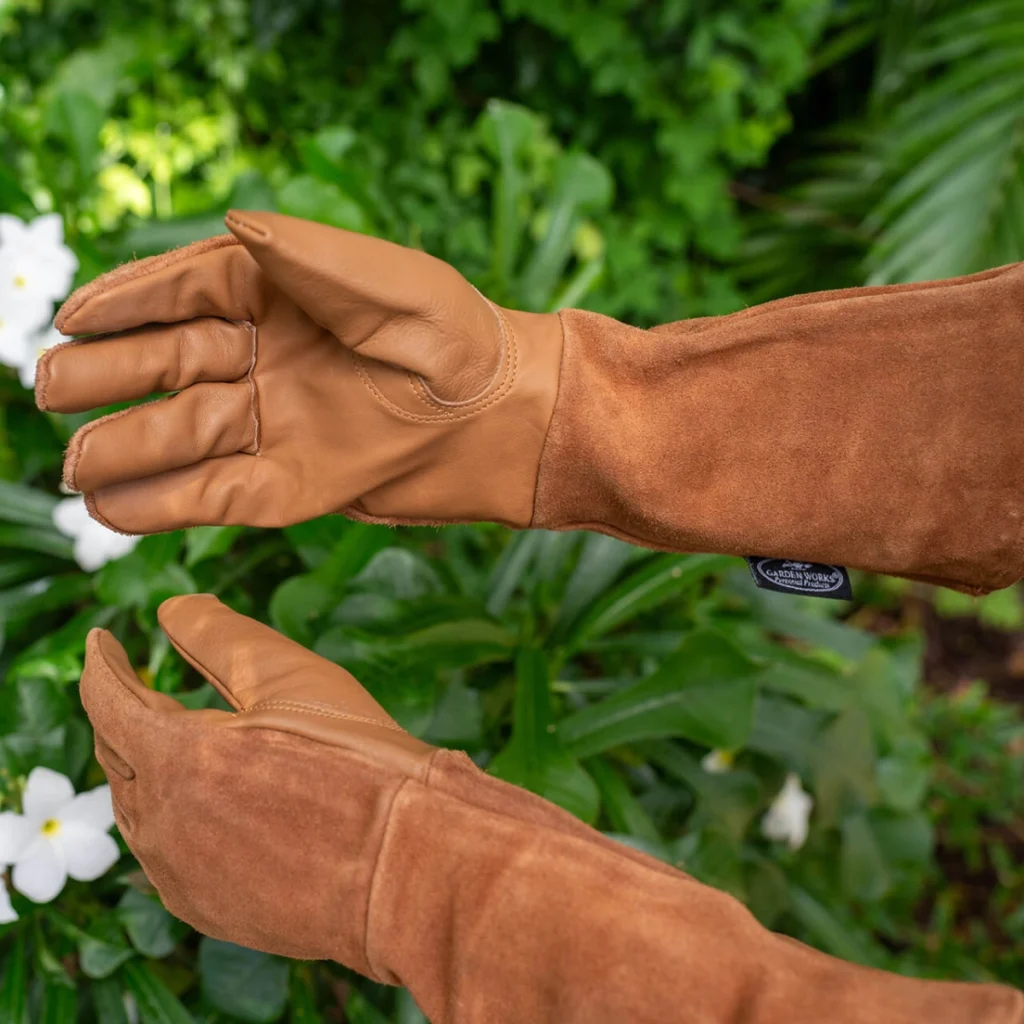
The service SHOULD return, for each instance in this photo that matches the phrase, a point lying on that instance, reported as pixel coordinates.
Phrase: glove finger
(202, 422)
(235, 490)
(82, 375)
(119, 705)
(253, 665)
(211, 278)
(396, 305)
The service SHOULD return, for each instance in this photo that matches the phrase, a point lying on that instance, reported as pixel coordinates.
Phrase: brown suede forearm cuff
(489, 920)
(876, 428)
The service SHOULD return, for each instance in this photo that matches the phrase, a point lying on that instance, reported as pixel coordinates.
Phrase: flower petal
(46, 792)
(96, 545)
(70, 516)
(94, 809)
(16, 834)
(41, 872)
(47, 230)
(88, 852)
(7, 913)
(12, 229)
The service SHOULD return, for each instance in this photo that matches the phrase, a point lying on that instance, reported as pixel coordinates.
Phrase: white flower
(95, 545)
(7, 913)
(20, 319)
(788, 817)
(717, 762)
(35, 347)
(34, 261)
(59, 834)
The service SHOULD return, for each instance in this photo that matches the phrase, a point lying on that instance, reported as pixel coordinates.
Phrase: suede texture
(873, 428)
(285, 826)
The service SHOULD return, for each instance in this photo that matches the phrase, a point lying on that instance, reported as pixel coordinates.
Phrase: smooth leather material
(322, 371)
(294, 835)
(317, 371)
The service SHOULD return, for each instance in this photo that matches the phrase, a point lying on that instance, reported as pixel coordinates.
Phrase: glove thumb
(274, 683)
(386, 302)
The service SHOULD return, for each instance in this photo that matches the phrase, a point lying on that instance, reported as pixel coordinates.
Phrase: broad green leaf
(152, 930)
(704, 692)
(786, 731)
(534, 757)
(242, 982)
(100, 959)
(906, 840)
(297, 605)
(32, 538)
(203, 542)
(77, 118)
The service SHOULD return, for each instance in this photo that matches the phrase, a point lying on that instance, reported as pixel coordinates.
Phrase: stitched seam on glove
(312, 709)
(477, 405)
(423, 389)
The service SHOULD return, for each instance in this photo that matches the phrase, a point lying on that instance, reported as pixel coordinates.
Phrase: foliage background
(651, 161)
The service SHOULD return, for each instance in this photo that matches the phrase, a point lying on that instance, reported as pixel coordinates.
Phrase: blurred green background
(652, 161)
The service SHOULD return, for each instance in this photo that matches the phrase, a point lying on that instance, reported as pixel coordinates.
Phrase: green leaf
(77, 119)
(831, 934)
(46, 541)
(844, 766)
(322, 201)
(26, 506)
(108, 1002)
(302, 1007)
(242, 982)
(156, 1003)
(152, 930)
(203, 542)
(406, 1010)
(704, 692)
(625, 812)
(60, 1004)
(534, 757)
(298, 604)
(14, 983)
(659, 580)
(100, 959)
(601, 561)
(786, 731)
(903, 775)
(862, 866)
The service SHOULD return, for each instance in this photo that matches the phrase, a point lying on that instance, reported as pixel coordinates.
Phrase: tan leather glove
(322, 371)
(307, 823)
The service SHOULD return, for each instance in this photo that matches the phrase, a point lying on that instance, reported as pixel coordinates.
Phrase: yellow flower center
(50, 828)
(19, 281)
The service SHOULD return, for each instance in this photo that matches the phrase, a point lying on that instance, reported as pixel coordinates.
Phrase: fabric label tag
(813, 579)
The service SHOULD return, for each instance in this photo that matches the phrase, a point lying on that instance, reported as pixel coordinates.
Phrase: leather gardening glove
(323, 371)
(308, 824)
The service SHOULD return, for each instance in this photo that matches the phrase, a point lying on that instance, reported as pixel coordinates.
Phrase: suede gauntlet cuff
(876, 428)
(490, 920)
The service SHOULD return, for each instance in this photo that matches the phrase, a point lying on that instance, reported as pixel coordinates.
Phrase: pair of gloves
(319, 371)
